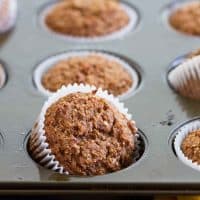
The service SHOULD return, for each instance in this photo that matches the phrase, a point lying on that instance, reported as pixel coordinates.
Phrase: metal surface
(155, 107)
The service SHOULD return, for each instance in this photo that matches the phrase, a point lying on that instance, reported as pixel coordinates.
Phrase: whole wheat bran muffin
(191, 146)
(87, 18)
(92, 69)
(186, 19)
(89, 136)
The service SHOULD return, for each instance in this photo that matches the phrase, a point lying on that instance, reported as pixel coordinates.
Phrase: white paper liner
(39, 148)
(49, 62)
(181, 134)
(2, 76)
(185, 78)
(131, 12)
(7, 19)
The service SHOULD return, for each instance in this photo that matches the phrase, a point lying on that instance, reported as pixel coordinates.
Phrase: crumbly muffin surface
(87, 18)
(93, 70)
(191, 146)
(89, 136)
(187, 18)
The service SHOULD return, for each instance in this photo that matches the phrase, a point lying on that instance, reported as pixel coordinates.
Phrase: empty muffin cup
(103, 70)
(84, 131)
(185, 78)
(187, 143)
(86, 21)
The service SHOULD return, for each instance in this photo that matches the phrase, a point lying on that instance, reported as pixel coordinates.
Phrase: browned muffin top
(87, 18)
(187, 18)
(88, 136)
(93, 70)
(191, 146)
(194, 53)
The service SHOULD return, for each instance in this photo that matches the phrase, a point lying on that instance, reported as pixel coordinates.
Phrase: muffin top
(191, 146)
(89, 136)
(187, 18)
(93, 69)
(87, 18)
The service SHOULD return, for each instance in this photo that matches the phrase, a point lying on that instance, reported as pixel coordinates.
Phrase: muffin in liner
(180, 136)
(2, 76)
(8, 14)
(185, 78)
(133, 20)
(49, 62)
(183, 17)
(38, 146)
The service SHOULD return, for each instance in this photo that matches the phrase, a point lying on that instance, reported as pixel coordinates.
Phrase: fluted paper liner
(181, 134)
(8, 14)
(39, 148)
(2, 76)
(185, 78)
(133, 19)
(49, 62)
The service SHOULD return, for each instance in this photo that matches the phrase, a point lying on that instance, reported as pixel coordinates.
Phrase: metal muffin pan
(156, 108)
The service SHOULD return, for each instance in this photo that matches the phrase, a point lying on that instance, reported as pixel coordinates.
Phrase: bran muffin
(87, 135)
(186, 19)
(2, 76)
(87, 18)
(194, 54)
(185, 78)
(8, 14)
(191, 146)
(93, 69)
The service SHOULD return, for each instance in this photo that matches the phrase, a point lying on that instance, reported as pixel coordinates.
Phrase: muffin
(2, 76)
(187, 143)
(185, 78)
(186, 18)
(86, 18)
(191, 146)
(194, 54)
(8, 14)
(85, 133)
(93, 69)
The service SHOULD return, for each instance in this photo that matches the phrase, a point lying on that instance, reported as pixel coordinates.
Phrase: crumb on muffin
(89, 136)
(187, 18)
(92, 69)
(191, 146)
(87, 18)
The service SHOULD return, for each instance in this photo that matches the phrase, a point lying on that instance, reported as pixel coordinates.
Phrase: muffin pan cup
(155, 107)
(130, 11)
(180, 136)
(185, 78)
(51, 61)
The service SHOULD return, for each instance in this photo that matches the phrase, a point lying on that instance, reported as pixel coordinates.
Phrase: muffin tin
(156, 108)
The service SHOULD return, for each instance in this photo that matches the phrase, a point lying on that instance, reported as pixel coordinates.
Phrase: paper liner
(49, 62)
(2, 76)
(39, 148)
(8, 14)
(181, 134)
(131, 12)
(185, 78)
